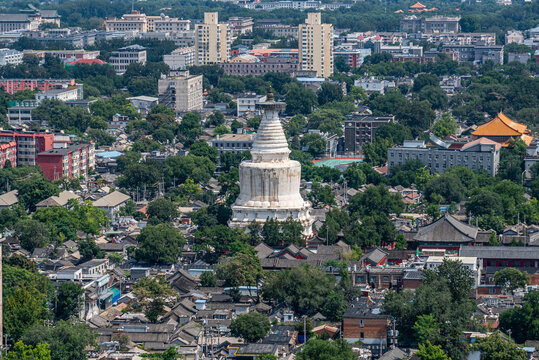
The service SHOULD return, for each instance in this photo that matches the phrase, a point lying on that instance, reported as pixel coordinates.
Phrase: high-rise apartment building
(212, 40)
(181, 91)
(316, 46)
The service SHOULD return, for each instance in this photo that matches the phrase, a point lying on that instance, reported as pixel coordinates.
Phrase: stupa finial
(270, 94)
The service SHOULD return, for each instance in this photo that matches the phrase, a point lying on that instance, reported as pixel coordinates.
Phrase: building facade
(477, 54)
(233, 143)
(10, 57)
(181, 91)
(125, 56)
(11, 86)
(180, 58)
(28, 19)
(240, 25)
(212, 40)
(136, 21)
(316, 46)
(257, 68)
(361, 129)
(480, 154)
(8, 152)
(171, 25)
(29, 144)
(72, 161)
(67, 55)
(247, 104)
(435, 24)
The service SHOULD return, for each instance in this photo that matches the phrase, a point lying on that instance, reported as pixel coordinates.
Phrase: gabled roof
(481, 141)
(111, 200)
(501, 125)
(263, 250)
(9, 198)
(417, 5)
(374, 256)
(60, 200)
(447, 229)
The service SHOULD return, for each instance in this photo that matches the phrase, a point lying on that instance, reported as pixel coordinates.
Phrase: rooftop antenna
(132, 6)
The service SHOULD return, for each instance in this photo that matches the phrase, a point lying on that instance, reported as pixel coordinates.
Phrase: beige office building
(316, 46)
(212, 40)
(181, 91)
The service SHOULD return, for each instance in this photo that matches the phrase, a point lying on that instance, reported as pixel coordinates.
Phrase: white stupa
(269, 183)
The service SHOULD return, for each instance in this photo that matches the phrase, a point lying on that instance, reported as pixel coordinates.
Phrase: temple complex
(502, 130)
(269, 183)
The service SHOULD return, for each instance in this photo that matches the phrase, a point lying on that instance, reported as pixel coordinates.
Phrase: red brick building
(364, 321)
(11, 86)
(8, 151)
(72, 161)
(29, 144)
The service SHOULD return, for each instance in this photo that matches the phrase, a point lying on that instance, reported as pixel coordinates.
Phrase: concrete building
(28, 19)
(143, 103)
(64, 55)
(8, 151)
(29, 144)
(212, 40)
(71, 161)
(373, 84)
(361, 129)
(269, 183)
(233, 143)
(480, 154)
(518, 57)
(316, 46)
(125, 56)
(247, 104)
(10, 57)
(477, 54)
(354, 58)
(435, 24)
(257, 68)
(364, 321)
(20, 112)
(181, 91)
(171, 25)
(286, 31)
(136, 21)
(58, 94)
(240, 25)
(514, 36)
(12, 86)
(180, 58)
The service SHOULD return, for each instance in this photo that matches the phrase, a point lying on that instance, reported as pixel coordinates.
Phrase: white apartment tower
(316, 46)
(212, 40)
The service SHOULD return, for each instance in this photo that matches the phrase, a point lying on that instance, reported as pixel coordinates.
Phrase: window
(361, 335)
(361, 324)
(386, 279)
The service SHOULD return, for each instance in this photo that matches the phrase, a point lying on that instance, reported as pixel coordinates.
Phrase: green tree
(25, 299)
(216, 118)
(445, 126)
(428, 351)
(159, 244)
(305, 289)
(326, 120)
(162, 211)
(329, 92)
(202, 148)
(423, 80)
(511, 279)
(240, 270)
(426, 328)
(208, 279)
(67, 339)
(318, 349)
(32, 234)
(376, 199)
(417, 116)
(221, 130)
(321, 194)
(299, 100)
(69, 302)
(496, 347)
(522, 321)
(314, 143)
(35, 189)
(251, 326)
(21, 351)
(435, 96)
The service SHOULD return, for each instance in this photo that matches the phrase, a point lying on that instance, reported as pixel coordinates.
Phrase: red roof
(87, 61)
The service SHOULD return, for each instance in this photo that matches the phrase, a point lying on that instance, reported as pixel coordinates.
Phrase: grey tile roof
(395, 354)
(447, 229)
(500, 252)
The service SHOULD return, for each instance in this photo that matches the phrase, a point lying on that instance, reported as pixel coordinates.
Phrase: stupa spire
(270, 142)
